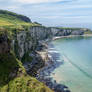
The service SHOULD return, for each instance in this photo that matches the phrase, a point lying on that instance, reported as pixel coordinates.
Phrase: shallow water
(76, 70)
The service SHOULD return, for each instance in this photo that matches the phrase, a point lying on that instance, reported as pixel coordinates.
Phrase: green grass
(7, 18)
(14, 16)
(21, 82)
(27, 84)
(13, 77)
(8, 64)
(12, 20)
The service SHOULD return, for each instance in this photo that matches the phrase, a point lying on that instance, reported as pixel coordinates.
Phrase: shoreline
(50, 56)
(45, 74)
(69, 36)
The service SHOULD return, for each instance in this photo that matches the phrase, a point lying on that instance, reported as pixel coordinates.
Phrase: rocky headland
(43, 62)
(29, 45)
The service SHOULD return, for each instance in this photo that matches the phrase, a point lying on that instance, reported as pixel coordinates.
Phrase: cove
(76, 69)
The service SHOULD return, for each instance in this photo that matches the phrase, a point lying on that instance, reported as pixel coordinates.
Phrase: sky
(68, 13)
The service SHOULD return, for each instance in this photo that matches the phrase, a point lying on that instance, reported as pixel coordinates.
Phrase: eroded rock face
(65, 32)
(33, 37)
(31, 40)
(4, 44)
(78, 32)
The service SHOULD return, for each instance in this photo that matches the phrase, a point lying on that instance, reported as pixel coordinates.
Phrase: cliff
(24, 41)
(13, 77)
(21, 41)
(4, 13)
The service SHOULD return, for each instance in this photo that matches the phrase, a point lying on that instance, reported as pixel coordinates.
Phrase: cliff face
(18, 38)
(66, 32)
(24, 44)
(29, 40)
(13, 77)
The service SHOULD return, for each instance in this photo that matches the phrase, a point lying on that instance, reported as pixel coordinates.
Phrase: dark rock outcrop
(32, 39)
(77, 32)
(4, 44)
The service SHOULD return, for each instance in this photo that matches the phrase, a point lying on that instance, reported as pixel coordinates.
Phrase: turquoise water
(76, 70)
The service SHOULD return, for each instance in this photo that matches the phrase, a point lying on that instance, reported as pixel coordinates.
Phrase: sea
(75, 70)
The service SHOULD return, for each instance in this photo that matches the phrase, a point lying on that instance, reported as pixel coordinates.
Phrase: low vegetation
(11, 21)
(13, 77)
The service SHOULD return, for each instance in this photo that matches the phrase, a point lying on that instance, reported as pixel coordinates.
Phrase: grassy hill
(13, 77)
(11, 15)
(10, 19)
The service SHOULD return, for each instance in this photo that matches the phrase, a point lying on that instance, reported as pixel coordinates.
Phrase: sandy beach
(59, 37)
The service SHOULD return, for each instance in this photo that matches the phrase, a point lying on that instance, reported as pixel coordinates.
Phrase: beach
(85, 35)
(46, 74)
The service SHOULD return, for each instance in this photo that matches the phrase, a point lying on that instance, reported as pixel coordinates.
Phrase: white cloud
(36, 1)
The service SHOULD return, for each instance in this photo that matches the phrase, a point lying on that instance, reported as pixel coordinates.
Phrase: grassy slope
(6, 19)
(22, 82)
(13, 77)
(11, 19)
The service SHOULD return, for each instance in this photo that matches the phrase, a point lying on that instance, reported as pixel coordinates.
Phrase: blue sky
(76, 13)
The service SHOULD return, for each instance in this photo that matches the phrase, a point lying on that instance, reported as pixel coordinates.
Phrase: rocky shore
(50, 56)
(45, 61)
(42, 62)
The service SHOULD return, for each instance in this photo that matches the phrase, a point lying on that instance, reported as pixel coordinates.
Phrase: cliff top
(11, 15)
(13, 20)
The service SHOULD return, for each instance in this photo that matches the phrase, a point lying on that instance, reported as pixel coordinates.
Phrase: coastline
(59, 37)
(50, 56)
(44, 74)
